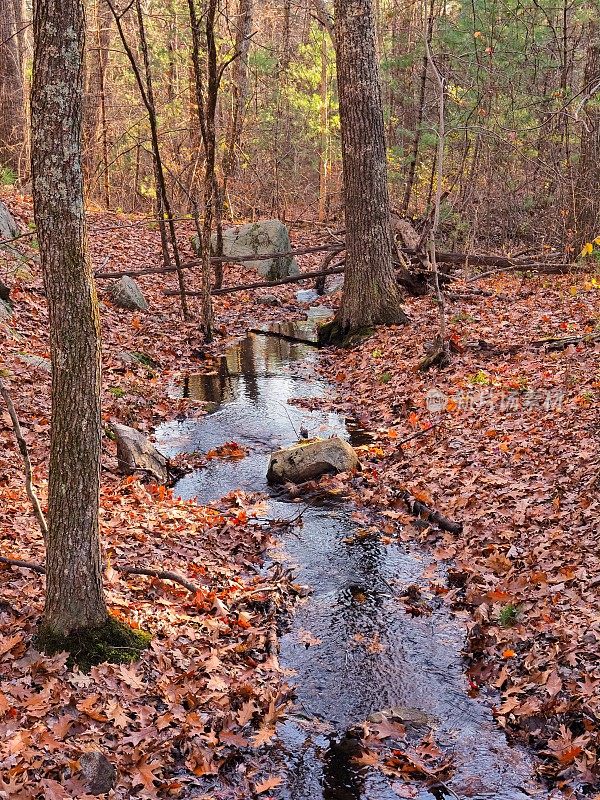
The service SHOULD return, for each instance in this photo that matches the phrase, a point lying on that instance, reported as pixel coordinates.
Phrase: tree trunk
(324, 132)
(370, 295)
(12, 104)
(240, 90)
(74, 596)
(587, 193)
(95, 117)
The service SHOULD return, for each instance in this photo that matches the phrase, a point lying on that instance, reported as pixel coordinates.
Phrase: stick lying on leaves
(162, 574)
(37, 509)
(39, 514)
(420, 510)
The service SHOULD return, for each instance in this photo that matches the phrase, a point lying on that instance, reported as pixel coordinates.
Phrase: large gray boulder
(264, 237)
(126, 293)
(8, 227)
(137, 454)
(306, 461)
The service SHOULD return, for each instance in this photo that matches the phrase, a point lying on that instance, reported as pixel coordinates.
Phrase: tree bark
(587, 193)
(12, 103)
(240, 90)
(370, 296)
(74, 595)
(95, 116)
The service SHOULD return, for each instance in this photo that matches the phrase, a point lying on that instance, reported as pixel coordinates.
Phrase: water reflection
(371, 654)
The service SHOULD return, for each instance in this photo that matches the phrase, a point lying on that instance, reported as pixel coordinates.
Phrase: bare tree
(12, 107)
(243, 31)
(587, 195)
(370, 296)
(96, 112)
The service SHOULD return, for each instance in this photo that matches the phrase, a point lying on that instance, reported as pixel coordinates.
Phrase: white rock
(306, 461)
(263, 237)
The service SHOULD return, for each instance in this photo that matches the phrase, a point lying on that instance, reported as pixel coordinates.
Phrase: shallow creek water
(372, 654)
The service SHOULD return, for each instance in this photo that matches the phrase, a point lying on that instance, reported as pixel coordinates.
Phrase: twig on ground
(162, 574)
(37, 509)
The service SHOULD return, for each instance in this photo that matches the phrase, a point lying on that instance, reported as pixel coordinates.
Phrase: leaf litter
(512, 452)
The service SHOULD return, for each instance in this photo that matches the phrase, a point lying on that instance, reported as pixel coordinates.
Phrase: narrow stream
(366, 653)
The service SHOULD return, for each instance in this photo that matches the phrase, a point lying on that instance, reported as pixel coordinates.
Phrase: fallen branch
(538, 266)
(422, 511)
(418, 434)
(335, 248)
(560, 344)
(15, 562)
(33, 498)
(266, 284)
(162, 574)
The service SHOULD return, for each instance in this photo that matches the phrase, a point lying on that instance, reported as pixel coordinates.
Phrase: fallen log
(501, 263)
(552, 343)
(265, 284)
(422, 511)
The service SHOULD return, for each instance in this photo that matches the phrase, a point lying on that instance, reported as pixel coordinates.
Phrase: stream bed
(354, 649)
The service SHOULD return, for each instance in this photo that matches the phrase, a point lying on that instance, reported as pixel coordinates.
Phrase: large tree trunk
(370, 295)
(74, 596)
(12, 109)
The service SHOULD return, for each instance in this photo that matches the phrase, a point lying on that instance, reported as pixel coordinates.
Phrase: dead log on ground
(267, 284)
(552, 343)
(161, 574)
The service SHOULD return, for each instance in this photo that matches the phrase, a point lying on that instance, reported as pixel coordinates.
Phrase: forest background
(522, 115)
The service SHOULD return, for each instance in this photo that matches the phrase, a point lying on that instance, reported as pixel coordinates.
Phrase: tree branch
(37, 509)
(162, 574)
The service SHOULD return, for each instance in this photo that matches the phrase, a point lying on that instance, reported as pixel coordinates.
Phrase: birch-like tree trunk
(74, 595)
(371, 295)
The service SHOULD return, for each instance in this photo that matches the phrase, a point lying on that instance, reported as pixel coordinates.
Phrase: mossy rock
(113, 642)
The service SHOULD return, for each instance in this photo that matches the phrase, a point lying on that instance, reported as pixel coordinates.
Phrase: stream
(366, 652)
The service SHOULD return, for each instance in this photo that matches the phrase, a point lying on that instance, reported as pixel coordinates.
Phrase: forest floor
(509, 446)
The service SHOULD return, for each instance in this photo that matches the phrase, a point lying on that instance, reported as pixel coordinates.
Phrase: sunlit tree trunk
(12, 103)
(74, 597)
(370, 295)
